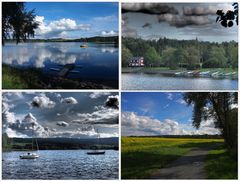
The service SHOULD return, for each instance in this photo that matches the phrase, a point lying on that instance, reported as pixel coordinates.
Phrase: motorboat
(96, 152)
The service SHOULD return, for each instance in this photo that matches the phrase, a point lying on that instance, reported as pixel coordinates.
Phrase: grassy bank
(220, 165)
(32, 78)
(142, 156)
(166, 70)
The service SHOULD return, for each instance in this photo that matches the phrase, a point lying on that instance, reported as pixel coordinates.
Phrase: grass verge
(142, 156)
(220, 165)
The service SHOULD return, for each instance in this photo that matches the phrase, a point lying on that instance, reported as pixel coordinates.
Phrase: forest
(189, 54)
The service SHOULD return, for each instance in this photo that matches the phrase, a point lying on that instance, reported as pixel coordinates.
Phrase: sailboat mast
(32, 135)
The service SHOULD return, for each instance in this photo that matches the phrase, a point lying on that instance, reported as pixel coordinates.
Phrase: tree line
(190, 54)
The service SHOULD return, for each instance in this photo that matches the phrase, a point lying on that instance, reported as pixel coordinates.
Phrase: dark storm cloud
(112, 102)
(182, 21)
(148, 8)
(199, 11)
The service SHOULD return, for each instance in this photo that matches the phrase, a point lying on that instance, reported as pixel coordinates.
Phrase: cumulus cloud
(148, 8)
(69, 100)
(96, 95)
(59, 27)
(102, 115)
(42, 102)
(133, 124)
(109, 33)
(27, 127)
(199, 11)
(182, 21)
(112, 102)
(62, 123)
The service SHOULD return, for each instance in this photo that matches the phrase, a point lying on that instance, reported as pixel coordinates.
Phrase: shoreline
(33, 78)
(176, 73)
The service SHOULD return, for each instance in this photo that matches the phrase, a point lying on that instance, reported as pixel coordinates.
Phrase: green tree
(192, 58)
(169, 59)
(151, 57)
(126, 56)
(216, 58)
(221, 107)
(17, 22)
(6, 142)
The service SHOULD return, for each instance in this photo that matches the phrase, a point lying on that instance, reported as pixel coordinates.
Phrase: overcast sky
(146, 114)
(71, 115)
(75, 19)
(176, 21)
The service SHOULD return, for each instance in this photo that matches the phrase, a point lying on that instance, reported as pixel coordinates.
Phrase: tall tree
(151, 57)
(17, 22)
(222, 108)
(126, 56)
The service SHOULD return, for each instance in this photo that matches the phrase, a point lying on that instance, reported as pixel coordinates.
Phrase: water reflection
(98, 60)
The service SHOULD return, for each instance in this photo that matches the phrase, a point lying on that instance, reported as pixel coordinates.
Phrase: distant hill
(95, 39)
(65, 143)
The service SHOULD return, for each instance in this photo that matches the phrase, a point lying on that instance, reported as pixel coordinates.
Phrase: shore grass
(13, 78)
(33, 78)
(142, 156)
(220, 165)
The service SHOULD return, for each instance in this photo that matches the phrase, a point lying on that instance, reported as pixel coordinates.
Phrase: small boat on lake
(31, 155)
(84, 45)
(96, 151)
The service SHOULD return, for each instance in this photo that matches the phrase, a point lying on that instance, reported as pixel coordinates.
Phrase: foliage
(218, 106)
(141, 156)
(220, 165)
(6, 142)
(151, 57)
(17, 22)
(184, 53)
(126, 56)
(226, 19)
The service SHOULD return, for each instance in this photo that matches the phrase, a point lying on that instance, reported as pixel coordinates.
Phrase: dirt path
(189, 166)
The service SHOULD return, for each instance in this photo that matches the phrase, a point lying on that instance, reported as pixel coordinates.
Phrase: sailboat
(84, 45)
(31, 155)
(96, 151)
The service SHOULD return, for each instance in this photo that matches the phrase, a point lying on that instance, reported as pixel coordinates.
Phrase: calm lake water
(98, 61)
(159, 82)
(61, 164)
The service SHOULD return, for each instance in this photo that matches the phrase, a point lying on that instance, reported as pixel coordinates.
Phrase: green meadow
(141, 156)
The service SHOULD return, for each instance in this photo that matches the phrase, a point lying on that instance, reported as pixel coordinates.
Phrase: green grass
(14, 78)
(220, 165)
(142, 156)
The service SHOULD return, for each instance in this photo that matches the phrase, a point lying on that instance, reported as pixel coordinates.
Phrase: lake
(98, 61)
(61, 164)
(132, 81)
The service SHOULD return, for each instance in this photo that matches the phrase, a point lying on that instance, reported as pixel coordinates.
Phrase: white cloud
(102, 115)
(109, 33)
(96, 95)
(42, 102)
(69, 100)
(169, 96)
(106, 18)
(62, 123)
(133, 124)
(58, 28)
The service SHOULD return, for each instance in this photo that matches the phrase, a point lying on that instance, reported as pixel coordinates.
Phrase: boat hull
(96, 153)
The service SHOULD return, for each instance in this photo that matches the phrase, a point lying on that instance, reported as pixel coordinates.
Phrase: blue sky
(87, 19)
(67, 114)
(153, 113)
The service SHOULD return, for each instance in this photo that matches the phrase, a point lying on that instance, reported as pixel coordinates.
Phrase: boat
(84, 46)
(31, 155)
(205, 74)
(96, 151)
